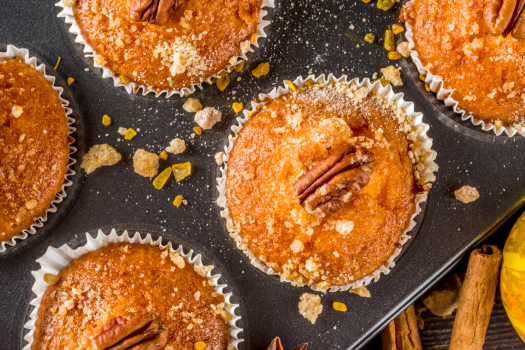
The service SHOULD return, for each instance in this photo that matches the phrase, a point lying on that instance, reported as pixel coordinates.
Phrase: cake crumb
(361, 291)
(310, 306)
(393, 75)
(192, 105)
(403, 49)
(219, 158)
(207, 117)
(17, 111)
(176, 146)
(99, 155)
(466, 194)
(145, 163)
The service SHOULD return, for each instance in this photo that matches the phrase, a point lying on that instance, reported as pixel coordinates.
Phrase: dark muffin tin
(304, 36)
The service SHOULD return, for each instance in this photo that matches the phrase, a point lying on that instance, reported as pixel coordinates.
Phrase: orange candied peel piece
(394, 55)
(70, 81)
(130, 133)
(261, 70)
(291, 85)
(163, 155)
(366, 1)
(198, 130)
(161, 179)
(178, 201)
(58, 62)
(237, 107)
(51, 279)
(396, 29)
(106, 120)
(239, 66)
(181, 171)
(339, 306)
(385, 5)
(427, 87)
(254, 39)
(390, 41)
(123, 79)
(309, 82)
(384, 82)
(223, 81)
(422, 77)
(369, 38)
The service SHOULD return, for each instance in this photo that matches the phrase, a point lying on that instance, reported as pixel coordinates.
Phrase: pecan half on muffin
(34, 146)
(131, 296)
(167, 44)
(477, 48)
(321, 183)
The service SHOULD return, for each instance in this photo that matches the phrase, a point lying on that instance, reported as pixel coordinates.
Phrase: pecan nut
(132, 332)
(332, 182)
(518, 29)
(504, 17)
(153, 11)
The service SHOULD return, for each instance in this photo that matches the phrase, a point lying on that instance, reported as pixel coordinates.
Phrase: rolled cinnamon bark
(388, 337)
(402, 333)
(476, 299)
(407, 333)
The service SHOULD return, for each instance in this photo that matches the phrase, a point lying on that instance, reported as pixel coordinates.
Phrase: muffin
(34, 146)
(485, 72)
(131, 293)
(322, 183)
(193, 41)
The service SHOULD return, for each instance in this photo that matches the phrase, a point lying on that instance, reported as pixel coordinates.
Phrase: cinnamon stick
(407, 333)
(476, 299)
(402, 333)
(388, 337)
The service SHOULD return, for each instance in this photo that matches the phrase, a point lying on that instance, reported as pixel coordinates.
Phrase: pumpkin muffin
(131, 293)
(34, 146)
(171, 48)
(322, 183)
(485, 71)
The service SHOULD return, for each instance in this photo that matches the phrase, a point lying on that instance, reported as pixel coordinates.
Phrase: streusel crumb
(176, 146)
(219, 158)
(99, 155)
(146, 163)
(310, 306)
(393, 75)
(192, 105)
(208, 117)
(466, 194)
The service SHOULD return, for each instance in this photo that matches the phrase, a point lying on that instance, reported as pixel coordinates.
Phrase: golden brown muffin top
(486, 72)
(282, 141)
(33, 146)
(199, 39)
(124, 278)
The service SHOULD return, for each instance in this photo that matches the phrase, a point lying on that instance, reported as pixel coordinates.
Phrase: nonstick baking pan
(304, 36)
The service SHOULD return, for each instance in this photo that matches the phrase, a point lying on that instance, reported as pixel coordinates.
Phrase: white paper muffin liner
(55, 259)
(67, 14)
(375, 88)
(13, 51)
(436, 84)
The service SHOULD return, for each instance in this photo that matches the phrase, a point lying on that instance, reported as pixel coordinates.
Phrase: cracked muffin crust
(286, 139)
(34, 146)
(199, 39)
(131, 281)
(486, 72)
